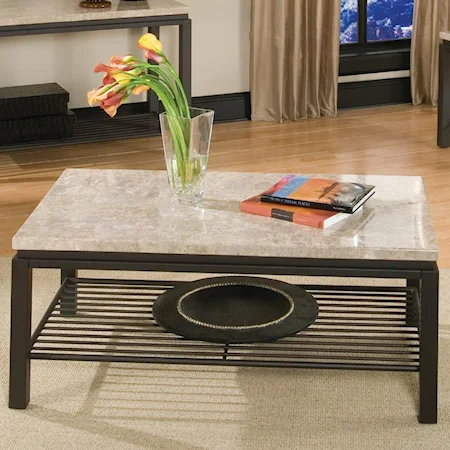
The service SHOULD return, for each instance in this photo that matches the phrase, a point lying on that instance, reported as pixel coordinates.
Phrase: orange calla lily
(118, 60)
(108, 79)
(140, 89)
(108, 97)
(116, 64)
(150, 42)
(102, 93)
(112, 103)
(94, 95)
(110, 110)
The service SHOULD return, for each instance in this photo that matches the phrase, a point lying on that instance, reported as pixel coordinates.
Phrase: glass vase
(186, 150)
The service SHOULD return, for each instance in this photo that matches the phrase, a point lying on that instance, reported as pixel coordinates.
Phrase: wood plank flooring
(393, 140)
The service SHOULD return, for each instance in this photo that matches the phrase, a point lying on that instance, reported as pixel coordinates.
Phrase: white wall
(221, 52)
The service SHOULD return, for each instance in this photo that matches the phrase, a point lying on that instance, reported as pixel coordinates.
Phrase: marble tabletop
(130, 211)
(25, 12)
(445, 35)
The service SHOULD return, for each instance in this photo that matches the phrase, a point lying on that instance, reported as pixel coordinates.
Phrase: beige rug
(77, 405)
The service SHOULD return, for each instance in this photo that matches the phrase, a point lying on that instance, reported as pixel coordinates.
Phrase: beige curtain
(430, 17)
(295, 58)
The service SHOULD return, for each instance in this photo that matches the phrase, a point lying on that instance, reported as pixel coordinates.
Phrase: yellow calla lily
(124, 77)
(92, 97)
(150, 42)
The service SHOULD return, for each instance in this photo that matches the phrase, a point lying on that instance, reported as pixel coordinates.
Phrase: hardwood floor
(394, 140)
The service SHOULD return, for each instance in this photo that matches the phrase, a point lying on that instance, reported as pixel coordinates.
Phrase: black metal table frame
(423, 276)
(152, 23)
(443, 140)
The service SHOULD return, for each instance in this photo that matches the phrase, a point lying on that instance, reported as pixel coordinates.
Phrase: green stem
(171, 93)
(178, 134)
(180, 86)
(179, 89)
(175, 84)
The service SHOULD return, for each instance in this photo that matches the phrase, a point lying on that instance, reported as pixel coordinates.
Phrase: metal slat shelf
(357, 328)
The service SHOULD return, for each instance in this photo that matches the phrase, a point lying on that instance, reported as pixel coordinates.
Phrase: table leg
(21, 293)
(152, 98)
(444, 96)
(429, 346)
(413, 310)
(185, 43)
(69, 296)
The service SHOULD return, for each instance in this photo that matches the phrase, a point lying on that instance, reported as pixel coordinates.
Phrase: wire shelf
(358, 327)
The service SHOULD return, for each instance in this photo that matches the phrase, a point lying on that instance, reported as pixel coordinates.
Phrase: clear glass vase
(186, 149)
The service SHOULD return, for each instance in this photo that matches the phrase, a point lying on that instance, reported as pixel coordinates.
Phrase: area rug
(78, 405)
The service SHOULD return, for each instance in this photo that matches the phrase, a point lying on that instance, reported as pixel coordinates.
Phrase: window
(349, 22)
(370, 21)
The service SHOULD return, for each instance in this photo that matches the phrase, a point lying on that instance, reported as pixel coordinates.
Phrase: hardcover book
(37, 128)
(35, 100)
(319, 193)
(317, 218)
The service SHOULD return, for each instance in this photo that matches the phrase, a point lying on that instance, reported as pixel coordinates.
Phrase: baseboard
(237, 107)
(376, 92)
(227, 107)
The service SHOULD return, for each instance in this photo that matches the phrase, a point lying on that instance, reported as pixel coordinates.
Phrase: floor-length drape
(430, 17)
(295, 58)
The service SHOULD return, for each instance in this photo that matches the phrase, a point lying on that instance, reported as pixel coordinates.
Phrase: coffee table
(123, 220)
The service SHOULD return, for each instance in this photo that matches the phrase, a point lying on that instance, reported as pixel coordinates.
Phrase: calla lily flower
(125, 77)
(110, 110)
(109, 98)
(108, 79)
(103, 93)
(153, 56)
(116, 64)
(150, 42)
(91, 97)
(120, 60)
(111, 104)
(95, 95)
(140, 89)
(116, 99)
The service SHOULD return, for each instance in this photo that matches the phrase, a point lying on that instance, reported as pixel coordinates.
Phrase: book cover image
(314, 192)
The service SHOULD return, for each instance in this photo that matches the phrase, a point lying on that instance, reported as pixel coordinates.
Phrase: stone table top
(445, 35)
(131, 211)
(25, 12)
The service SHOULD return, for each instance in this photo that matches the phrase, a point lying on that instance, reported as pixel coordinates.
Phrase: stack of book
(34, 112)
(315, 202)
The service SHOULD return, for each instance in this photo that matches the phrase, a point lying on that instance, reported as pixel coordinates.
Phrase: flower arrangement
(126, 75)
(186, 131)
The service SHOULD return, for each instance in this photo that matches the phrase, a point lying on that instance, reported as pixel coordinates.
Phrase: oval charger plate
(235, 310)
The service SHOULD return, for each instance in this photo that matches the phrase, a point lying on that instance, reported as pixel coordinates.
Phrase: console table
(444, 92)
(124, 220)
(24, 17)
